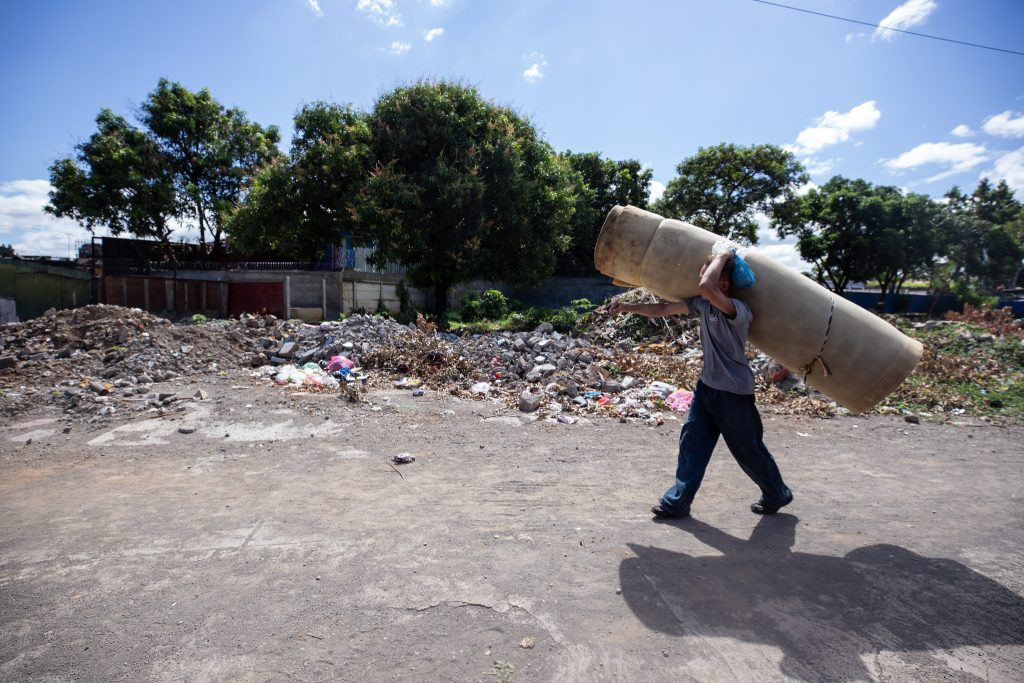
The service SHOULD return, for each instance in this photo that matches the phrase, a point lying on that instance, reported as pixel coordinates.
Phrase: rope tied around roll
(809, 368)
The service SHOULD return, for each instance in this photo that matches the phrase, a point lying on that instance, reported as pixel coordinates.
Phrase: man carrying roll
(723, 402)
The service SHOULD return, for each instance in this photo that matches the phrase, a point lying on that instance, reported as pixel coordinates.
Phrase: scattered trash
(309, 374)
(567, 419)
(527, 643)
(338, 363)
(403, 458)
(480, 388)
(680, 400)
(186, 430)
(418, 392)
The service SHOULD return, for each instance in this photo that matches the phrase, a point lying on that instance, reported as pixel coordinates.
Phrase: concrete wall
(312, 291)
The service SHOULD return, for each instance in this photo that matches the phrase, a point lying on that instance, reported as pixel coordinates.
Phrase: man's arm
(710, 287)
(650, 310)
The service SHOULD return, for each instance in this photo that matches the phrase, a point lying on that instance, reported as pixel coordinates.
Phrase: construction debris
(99, 362)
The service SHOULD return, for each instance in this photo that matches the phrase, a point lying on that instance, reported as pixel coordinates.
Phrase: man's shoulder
(742, 310)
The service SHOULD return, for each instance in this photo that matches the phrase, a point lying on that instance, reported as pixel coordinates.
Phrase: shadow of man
(822, 612)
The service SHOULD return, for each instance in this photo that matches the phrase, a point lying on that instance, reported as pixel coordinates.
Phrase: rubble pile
(100, 360)
(97, 360)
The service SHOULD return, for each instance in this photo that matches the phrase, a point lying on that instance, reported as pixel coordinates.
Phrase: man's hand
(617, 308)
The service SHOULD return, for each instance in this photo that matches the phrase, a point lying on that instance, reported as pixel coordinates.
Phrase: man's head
(725, 278)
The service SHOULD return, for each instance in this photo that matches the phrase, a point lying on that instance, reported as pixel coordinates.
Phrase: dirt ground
(262, 535)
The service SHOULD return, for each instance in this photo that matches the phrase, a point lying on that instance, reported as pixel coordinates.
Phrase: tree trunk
(441, 305)
(202, 223)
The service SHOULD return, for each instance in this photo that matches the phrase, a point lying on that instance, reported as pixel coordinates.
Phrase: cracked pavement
(275, 542)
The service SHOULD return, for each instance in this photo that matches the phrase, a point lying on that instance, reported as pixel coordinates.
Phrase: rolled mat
(846, 352)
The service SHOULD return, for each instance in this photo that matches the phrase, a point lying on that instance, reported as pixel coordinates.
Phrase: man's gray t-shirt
(723, 341)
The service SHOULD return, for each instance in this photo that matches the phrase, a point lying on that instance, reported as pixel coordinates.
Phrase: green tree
(192, 161)
(722, 188)
(906, 241)
(978, 241)
(838, 230)
(7, 251)
(461, 189)
(299, 205)
(118, 178)
(600, 185)
(213, 152)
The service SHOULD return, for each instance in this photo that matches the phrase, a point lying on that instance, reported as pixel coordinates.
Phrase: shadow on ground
(824, 613)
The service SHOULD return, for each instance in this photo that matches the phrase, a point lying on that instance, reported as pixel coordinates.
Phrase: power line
(889, 28)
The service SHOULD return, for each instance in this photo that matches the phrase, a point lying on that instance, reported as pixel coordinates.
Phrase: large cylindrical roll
(852, 355)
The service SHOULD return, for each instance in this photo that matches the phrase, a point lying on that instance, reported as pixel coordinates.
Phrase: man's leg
(696, 443)
(744, 434)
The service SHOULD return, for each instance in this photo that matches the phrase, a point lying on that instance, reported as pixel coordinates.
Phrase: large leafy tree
(979, 237)
(190, 163)
(461, 188)
(723, 188)
(840, 229)
(118, 178)
(600, 185)
(299, 205)
(906, 238)
(213, 152)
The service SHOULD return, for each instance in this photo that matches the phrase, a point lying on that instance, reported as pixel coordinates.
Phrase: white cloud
(956, 157)
(1010, 167)
(962, 131)
(433, 33)
(805, 188)
(1009, 124)
(819, 167)
(315, 6)
(25, 226)
(383, 12)
(534, 73)
(33, 232)
(657, 190)
(833, 127)
(399, 48)
(440, 3)
(783, 251)
(910, 13)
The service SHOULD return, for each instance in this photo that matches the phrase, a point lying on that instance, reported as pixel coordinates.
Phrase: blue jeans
(734, 417)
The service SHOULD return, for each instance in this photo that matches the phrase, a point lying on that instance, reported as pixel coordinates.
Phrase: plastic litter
(403, 458)
(309, 374)
(339, 363)
(680, 400)
(742, 275)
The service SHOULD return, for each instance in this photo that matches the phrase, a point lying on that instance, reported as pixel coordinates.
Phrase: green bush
(470, 308)
(493, 304)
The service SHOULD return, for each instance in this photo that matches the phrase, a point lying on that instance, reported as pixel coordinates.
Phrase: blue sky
(648, 80)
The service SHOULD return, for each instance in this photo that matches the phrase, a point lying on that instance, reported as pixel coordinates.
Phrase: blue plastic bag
(742, 275)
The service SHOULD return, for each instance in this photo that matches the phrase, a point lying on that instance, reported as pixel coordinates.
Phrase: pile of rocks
(100, 360)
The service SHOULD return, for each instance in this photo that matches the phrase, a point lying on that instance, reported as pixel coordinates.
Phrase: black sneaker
(763, 507)
(662, 513)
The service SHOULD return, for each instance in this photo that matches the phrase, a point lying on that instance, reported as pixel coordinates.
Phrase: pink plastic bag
(680, 401)
(339, 362)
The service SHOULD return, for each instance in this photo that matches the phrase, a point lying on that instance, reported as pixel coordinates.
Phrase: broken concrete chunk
(529, 402)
